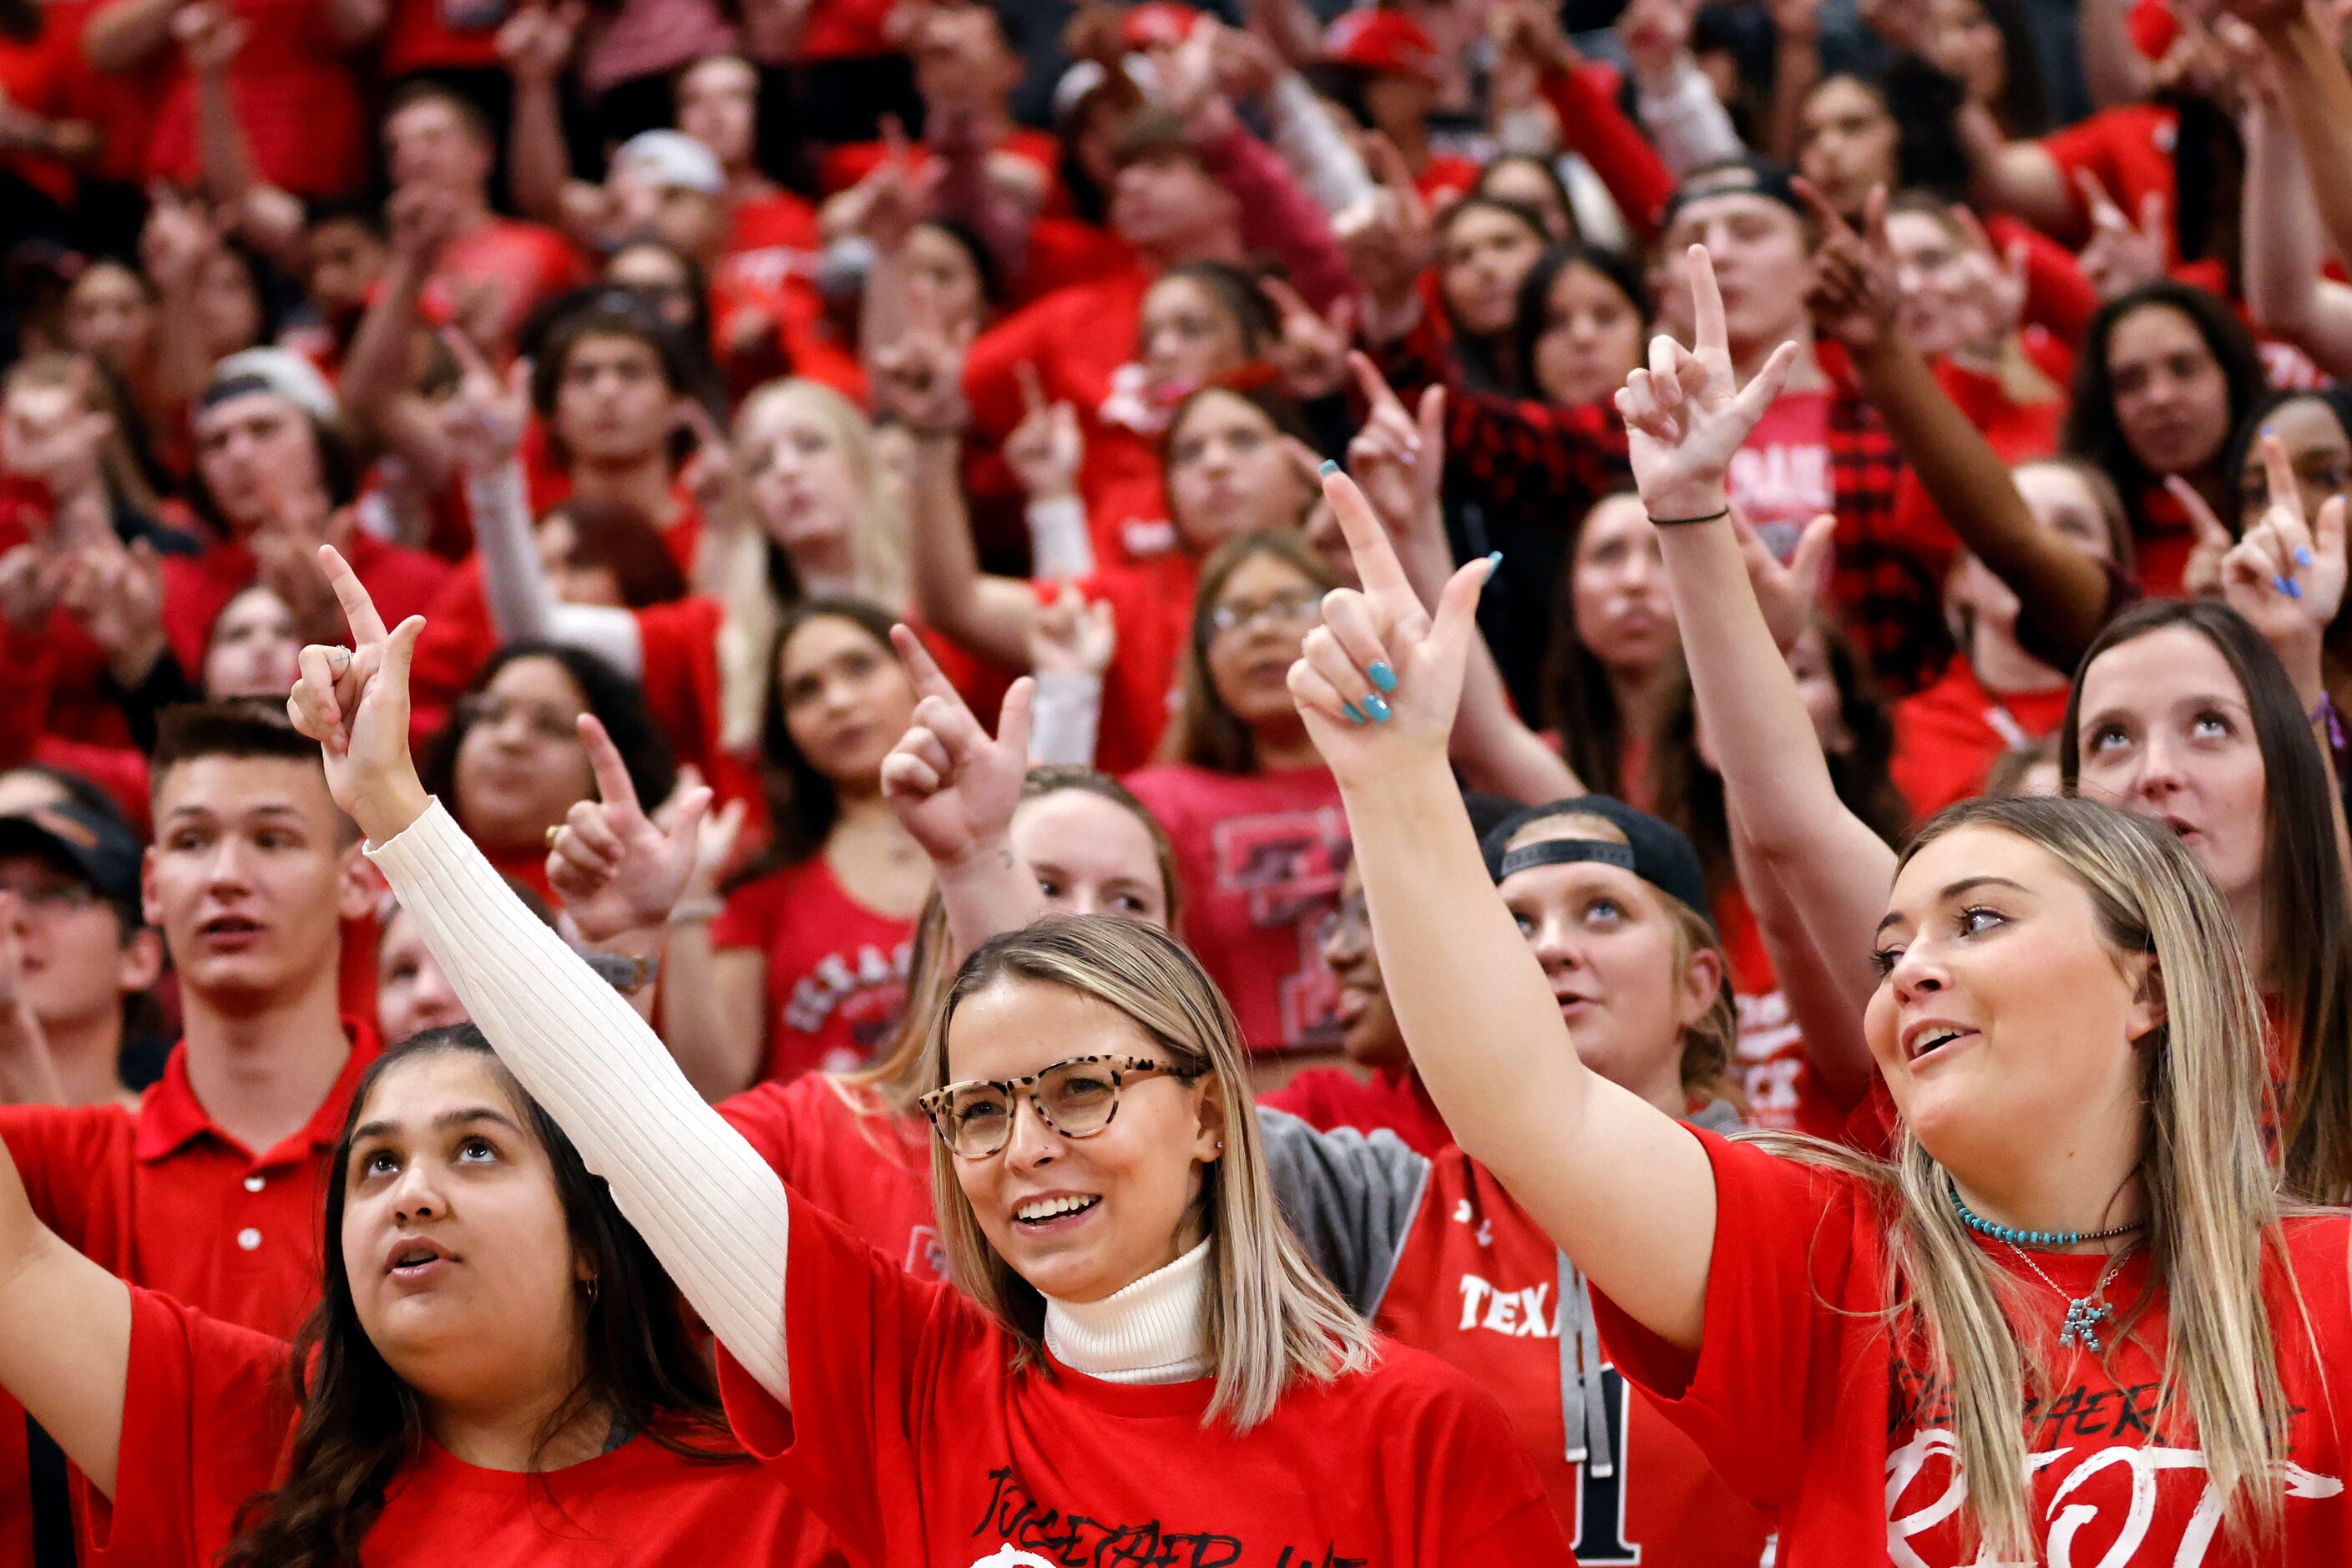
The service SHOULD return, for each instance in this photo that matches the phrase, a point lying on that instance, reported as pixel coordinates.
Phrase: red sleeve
(678, 644)
(456, 641)
(206, 1411)
(2057, 296)
(1593, 126)
(863, 1342)
(61, 1154)
(1783, 1246)
(1278, 216)
(992, 370)
(763, 1115)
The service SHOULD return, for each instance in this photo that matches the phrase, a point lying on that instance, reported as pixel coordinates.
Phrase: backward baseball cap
(1655, 850)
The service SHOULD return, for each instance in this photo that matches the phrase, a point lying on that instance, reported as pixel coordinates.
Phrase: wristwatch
(626, 976)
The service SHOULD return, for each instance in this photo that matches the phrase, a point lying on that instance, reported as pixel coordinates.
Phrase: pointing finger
(359, 609)
(614, 786)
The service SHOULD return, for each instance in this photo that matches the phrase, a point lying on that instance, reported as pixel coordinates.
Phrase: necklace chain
(2084, 1313)
(2021, 1239)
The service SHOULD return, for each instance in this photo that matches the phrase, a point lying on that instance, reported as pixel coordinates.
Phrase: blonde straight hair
(1271, 1318)
(2212, 1194)
(877, 550)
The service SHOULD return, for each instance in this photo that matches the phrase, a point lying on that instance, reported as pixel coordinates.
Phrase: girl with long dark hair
(497, 1364)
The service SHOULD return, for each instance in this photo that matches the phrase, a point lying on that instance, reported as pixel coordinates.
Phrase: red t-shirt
(1262, 857)
(1393, 1098)
(1083, 342)
(207, 1410)
(1949, 736)
(196, 588)
(1780, 478)
(162, 1197)
(1151, 608)
(866, 1168)
(297, 101)
(1806, 1406)
(915, 1440)
(2162, 543)
(2129, 148)
(836, 970)
(1477, 1286)
(840, 29)
(522, 263)
(35, 75)
(1783, 1091)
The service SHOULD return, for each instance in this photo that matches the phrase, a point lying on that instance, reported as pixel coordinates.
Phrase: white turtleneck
(1149, 1331)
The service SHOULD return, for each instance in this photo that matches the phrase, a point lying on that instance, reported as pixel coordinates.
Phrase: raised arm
(2285, 293)
(2063, 591)
(711, 1209)
(65, 1335)
(1624, 1189)
(536, 44)
(1399, 461)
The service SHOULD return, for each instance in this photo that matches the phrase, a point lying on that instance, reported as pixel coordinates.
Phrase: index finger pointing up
(1709, 340)
(1376, 567)
(359, 610)
(614, 787)
(929, 681)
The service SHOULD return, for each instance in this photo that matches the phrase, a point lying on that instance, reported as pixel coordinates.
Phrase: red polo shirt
(164, 1198)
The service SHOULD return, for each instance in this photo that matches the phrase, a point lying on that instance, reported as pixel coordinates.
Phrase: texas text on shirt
(1480, 1286)
(836, 970)
(910, 1439)
(206, 1415)
(1796, 1398)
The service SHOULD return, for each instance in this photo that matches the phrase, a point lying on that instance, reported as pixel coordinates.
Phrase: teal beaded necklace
(2043, 1238)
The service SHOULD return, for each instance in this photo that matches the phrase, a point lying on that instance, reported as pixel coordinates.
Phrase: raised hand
(1387, 239)
(1787, 592)
(536, 41)
(1398, 458)
(117, 594)
(2287, 575)
(918, 380)
(2123, 254)
(422, 219)
(2200, 575)
(1070, 636)
(354, 702)
(1854, 297)
(1686, 412)
(952, 784)
(1313, 350)
(61, 448)
(711, 475)
(1379, 680)
(483, 420)
(209, 34)
(615, 868)
(1998, 286)
(1046, 450)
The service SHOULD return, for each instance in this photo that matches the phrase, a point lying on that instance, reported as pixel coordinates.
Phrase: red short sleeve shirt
(842, 1150)
(914, 1438)
(1948, 736)
(206, 1415)
(1806, 1405)
(836, 970)
(1477, 1286)
(1261, 855)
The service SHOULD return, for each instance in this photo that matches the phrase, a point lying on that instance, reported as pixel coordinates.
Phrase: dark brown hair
(359, 1426)
(1206, 731)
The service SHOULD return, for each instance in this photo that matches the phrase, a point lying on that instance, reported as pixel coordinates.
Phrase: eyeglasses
(547, 721)
(1288, 609)
(1077, 1098)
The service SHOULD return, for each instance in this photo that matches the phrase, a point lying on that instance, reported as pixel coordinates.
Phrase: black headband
(238, 385)
(1566, 851)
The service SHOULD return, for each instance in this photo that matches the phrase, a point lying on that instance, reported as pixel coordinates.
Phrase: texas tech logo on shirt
(1289, 864)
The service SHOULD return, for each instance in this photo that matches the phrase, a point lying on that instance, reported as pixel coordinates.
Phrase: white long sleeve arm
(1060, 548)
(522, 602)
(703, 1200)
(1303, 133)
(1068, 712)
(1684, 121)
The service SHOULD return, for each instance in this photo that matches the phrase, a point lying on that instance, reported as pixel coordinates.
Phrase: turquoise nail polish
(1383, 675)
(1377, 707)
(2302, 556)
(1328, 468)
(1349, 709)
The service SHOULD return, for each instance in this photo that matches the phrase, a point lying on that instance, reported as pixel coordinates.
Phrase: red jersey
(836, 970)
(1262, 857)
(197, 588)
(1777, 1077)
(1393, 1098)
(914, 1437)
(1479, 1285)
(1949, 736)
(1807, 1405)
(207, 1410)
(844, 1152)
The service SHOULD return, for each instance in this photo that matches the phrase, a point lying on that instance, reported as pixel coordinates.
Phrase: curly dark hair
(358, 1425)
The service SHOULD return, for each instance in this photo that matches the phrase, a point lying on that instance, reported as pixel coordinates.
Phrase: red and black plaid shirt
(1530, 459)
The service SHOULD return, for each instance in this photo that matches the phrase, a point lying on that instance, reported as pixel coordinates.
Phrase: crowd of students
(920, 783)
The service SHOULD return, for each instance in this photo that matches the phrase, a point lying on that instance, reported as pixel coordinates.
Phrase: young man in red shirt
(209, 1191)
